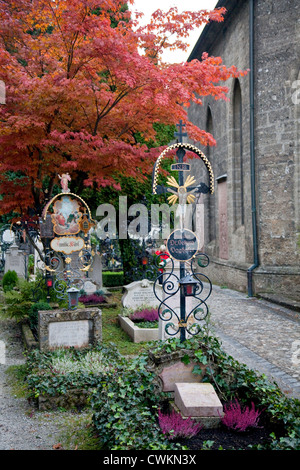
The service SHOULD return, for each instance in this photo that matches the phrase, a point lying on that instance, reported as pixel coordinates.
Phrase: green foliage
(125, 410)
(112, 279)
(33, 313)
(31, 264)
(18, 302)
(235, 380)
(9, 280)
(46, 377)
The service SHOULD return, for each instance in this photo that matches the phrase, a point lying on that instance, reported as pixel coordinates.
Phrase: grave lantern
(73, 295)
(188, 286)
(49, 281)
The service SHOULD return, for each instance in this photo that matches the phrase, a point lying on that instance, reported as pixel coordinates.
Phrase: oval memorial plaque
(182, 245)
(67, 245)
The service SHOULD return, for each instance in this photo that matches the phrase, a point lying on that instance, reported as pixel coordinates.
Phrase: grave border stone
(46, 317)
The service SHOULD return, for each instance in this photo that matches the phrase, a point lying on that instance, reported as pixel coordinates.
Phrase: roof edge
(212, 28)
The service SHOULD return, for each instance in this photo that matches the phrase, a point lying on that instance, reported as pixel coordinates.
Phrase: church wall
(223, 270)
(277, 147)
(276, 152)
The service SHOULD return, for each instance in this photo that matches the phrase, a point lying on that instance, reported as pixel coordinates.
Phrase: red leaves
(78, 90)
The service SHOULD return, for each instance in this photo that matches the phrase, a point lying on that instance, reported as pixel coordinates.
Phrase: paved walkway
(260, 334)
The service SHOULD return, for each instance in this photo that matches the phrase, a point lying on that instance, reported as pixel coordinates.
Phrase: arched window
(238, 175)
(211, 200)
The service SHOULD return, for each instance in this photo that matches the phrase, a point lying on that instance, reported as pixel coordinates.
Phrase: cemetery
(140, 356)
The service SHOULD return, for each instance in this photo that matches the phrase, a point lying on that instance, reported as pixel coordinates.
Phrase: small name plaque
(67, 245)
(181, 167)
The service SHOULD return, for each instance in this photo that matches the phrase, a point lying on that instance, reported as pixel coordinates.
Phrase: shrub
(112, 279)
(240, 419)
(9, 281)
(173, 425)
(18, 302)
(55, 373)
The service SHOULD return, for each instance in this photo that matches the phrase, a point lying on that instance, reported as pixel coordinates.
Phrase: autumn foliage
(82, 81)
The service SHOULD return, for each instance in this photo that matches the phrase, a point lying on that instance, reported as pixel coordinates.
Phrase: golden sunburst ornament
(182, 195)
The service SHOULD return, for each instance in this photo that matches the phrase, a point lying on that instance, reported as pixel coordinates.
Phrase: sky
(149, 6)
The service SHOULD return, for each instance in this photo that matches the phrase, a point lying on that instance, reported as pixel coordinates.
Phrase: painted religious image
(67, 216)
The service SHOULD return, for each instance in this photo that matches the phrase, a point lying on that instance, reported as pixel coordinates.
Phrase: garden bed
(137, 334)
(224, 439)
(141, 324)
(126, 386)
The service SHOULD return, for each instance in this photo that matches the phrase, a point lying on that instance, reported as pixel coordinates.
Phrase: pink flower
(240, 419)
(174, 425)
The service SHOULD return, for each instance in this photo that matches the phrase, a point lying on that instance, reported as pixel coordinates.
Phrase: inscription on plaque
(181, 167)
(69, 333)
(182, 244)
(139, 293)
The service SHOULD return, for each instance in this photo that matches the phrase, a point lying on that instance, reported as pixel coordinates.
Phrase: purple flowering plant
(240, 418)
(92, 299)
(173, 425)
(145, 315)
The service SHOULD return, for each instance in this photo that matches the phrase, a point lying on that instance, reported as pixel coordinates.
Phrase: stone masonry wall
(277, 145)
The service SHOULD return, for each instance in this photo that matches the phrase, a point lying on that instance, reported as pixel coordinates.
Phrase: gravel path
(22, 427)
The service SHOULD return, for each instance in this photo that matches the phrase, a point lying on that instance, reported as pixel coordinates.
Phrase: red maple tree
(82, 80)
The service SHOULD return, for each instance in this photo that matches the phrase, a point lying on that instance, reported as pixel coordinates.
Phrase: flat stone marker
(197, 400)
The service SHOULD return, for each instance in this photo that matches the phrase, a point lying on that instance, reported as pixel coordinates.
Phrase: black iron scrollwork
(177, 318)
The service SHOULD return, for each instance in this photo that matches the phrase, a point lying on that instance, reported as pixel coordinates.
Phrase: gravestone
(89, 287)
(178, 372)
(200, 401)
(69, 328)
(38, 263)
(15, 260)
(95, 273)
(140, 293)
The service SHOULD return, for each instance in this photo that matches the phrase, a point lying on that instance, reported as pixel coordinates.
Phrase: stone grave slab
(198, 400)
(178, 373)
(61, 328)
(95, 273)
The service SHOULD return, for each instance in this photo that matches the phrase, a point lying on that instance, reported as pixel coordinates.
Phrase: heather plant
(91, 299)
(240, 418)
(147, 315)
(174, 426)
